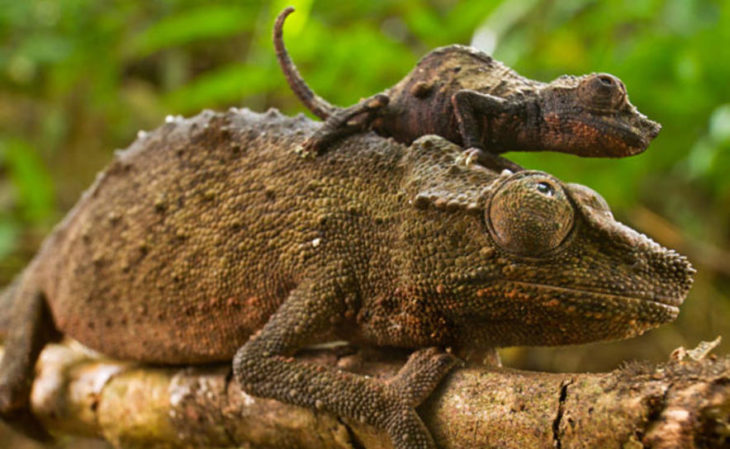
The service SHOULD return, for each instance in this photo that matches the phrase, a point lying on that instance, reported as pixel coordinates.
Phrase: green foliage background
(79, 78)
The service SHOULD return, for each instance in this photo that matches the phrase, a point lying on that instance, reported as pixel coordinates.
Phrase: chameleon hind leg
(264, 367)
(345, 122)
(31, 329)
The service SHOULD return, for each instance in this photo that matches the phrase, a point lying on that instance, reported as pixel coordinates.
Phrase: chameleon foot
(26, 424)
(469, 156)
(15, 413)
(488, 160)
(345, 122)
(418, 378)
(303, 151)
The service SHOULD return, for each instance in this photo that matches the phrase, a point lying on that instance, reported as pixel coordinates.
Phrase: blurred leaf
(31, 179)
(720, 124)
(193, 25)
(44, 48)
(225, 85)
(296, 21)
(9, 234)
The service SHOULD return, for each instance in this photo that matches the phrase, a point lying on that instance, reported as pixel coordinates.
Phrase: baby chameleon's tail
(319, 107)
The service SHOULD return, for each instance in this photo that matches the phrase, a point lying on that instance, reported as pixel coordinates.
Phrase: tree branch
(677, 405)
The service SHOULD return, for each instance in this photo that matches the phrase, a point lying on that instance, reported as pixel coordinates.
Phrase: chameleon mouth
(637, 135)
(592, 303)
(621, 137)
(668, 303)
(546, 315)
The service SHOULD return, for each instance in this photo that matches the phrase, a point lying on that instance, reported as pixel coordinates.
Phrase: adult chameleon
(473, 100)
(208, 240)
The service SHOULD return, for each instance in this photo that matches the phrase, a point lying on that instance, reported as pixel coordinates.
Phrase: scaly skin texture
(464, 95)
(209, 240)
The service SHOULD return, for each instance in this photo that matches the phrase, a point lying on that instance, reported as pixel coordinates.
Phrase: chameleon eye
(602, 91)
(606, 80)
(545, 188)
(530, 214)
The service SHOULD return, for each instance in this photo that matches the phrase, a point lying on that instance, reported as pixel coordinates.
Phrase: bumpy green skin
(209, 239)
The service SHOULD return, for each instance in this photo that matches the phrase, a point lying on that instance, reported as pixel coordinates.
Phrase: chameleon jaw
(521, 313)
(594, 135)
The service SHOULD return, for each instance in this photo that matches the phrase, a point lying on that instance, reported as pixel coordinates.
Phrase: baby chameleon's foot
(487, 160)
(302, 150)
(469, 156)
(343, 123)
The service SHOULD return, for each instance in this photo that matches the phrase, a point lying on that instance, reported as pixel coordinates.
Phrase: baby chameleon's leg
(264, 368)
(31, 328)
(468, 105)
(356, 118)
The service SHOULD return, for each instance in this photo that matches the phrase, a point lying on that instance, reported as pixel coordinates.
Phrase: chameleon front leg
(264, 368)
(344, 122)
(468, 105)
(31, 329)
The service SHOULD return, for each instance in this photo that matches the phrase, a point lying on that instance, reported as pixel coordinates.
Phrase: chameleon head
(596, 111)
(572, 271)
(533, 260)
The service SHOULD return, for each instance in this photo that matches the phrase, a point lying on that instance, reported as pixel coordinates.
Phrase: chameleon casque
(471, 99)
(209, 240)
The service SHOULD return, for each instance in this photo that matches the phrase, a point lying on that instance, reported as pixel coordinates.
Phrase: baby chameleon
(467, 97)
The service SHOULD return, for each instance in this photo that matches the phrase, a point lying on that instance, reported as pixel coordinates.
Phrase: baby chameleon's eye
(606, 80)
(530, 215)
(602, 92)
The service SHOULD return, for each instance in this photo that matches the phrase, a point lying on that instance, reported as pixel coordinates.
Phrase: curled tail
(319, 107)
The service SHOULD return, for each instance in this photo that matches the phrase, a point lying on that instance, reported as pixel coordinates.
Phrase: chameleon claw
(377, 102)
(468, 157)
(302, 152)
